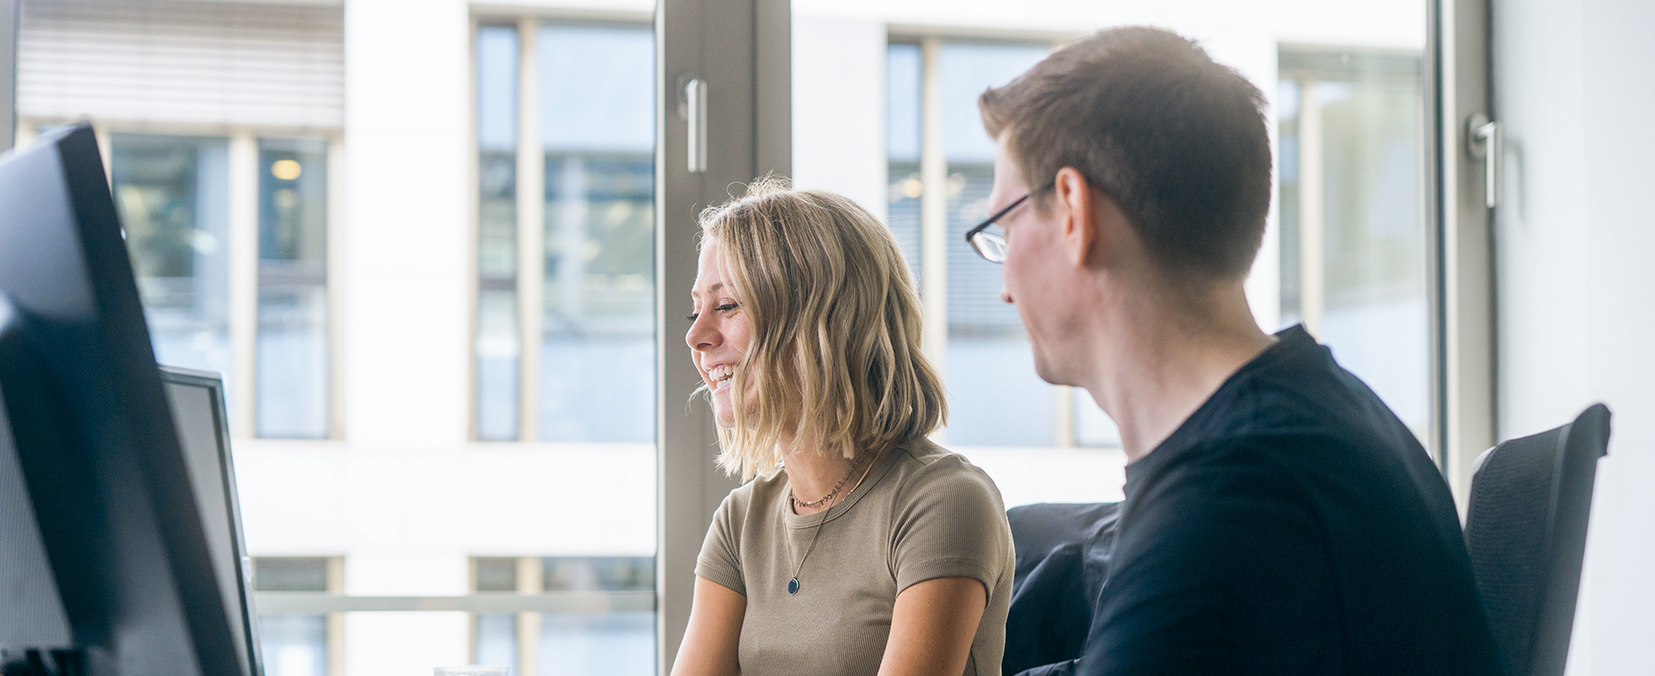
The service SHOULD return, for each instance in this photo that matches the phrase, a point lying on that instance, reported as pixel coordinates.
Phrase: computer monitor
(107, 555)
(198, 411)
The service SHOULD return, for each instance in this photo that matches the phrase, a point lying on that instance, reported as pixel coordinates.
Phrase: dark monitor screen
(198, 412)
(113, 555)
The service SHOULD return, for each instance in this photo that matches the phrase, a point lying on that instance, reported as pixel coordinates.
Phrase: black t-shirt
(1292, 525)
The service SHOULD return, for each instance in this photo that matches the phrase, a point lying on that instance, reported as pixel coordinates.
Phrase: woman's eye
(726, 307)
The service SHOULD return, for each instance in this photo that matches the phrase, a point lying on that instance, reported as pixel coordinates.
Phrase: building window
(298, 644)
(612, 638)
(293, 290)
(176, 199)
(1352, 230)
(564, 346)
(941, 168)
(172, 193)
(1352, 215)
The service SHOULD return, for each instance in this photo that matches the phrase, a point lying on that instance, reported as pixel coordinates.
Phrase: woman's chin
(722, 416)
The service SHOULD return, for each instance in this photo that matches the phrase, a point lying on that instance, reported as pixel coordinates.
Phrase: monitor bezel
(214, 384)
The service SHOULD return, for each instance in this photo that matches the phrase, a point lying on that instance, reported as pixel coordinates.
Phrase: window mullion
(530, 578)
(244, 278)
(531, 230)
(1063, 416)
(933, 171)
(1312, 267)
(335, 289)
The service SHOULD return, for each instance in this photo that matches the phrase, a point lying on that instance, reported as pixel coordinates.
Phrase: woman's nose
(702, 335)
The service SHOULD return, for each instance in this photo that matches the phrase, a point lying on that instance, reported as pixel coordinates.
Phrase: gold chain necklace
(793, 584)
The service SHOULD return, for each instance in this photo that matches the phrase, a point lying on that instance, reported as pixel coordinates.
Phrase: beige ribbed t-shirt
(922, 513)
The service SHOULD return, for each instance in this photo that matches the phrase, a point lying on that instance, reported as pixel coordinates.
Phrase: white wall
(1576, 288)
(839, 107)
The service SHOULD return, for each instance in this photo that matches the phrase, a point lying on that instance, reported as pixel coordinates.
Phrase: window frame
(529, 192)
(243, 229)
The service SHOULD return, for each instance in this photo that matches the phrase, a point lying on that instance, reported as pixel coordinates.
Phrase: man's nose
(1005, 296)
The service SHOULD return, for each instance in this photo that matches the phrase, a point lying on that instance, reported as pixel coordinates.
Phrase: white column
(406, 261)
(933, 171)
(1312, 261)
(244, 279)
(531, 230)
(839, 108)
(406, 242)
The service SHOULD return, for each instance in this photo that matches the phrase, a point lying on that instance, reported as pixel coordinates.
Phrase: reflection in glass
(904, 71)
(496, 640)
(498, 342)
(172, 193)
(594, 644)
(292, 350)
(597, 361)
(621, 643)
(598, 573)
(1351, 131)
(990, 370)
(292, 645)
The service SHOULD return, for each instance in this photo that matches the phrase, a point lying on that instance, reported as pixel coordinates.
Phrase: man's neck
(1157, 362)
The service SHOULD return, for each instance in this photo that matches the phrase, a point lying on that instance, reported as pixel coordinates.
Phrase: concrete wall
(1574, 239)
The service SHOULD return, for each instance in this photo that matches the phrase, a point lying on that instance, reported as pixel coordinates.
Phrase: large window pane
(904, 72)
(565, 343)
(590, 644)
(173, 196)
(498, 342)
(990, 370)
(1359, 284)
(293, 393)
(292, 644)
(597, 360)
(1353, 219)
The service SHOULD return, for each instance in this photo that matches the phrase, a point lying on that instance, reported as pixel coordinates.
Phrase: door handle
(1485, 140)
(695, 118)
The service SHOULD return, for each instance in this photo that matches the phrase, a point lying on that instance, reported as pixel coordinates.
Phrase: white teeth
(721, 373)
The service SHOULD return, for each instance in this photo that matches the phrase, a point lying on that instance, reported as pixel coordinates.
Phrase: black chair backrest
(1526, 532)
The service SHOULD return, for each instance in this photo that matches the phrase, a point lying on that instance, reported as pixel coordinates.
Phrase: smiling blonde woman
(858, 546)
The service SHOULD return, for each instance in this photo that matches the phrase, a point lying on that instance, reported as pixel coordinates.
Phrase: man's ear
(1077, 203)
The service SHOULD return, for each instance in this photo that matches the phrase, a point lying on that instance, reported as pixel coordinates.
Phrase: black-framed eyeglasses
(992, 245)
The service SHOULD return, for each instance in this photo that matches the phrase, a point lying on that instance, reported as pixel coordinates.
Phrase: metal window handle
(695, 117)
(1486, 141)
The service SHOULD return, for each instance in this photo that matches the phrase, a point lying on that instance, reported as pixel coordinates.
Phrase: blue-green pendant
(793, 586)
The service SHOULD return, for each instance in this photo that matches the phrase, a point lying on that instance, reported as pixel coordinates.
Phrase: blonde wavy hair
(835, 329)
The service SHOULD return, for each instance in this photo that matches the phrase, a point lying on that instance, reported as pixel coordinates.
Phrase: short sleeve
(949, 521)
(720, 558)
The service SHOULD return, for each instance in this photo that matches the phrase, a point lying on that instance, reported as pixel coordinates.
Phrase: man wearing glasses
(1279, 519)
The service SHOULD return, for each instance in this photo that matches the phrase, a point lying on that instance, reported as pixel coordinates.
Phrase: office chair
(1526, 532)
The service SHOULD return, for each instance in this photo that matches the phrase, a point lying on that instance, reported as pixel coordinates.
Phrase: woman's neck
(813, 475)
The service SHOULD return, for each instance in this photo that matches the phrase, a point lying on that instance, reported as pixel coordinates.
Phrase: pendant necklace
(793, 584)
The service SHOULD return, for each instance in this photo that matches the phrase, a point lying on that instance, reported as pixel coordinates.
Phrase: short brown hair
(1175, 139)
(836, 329)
